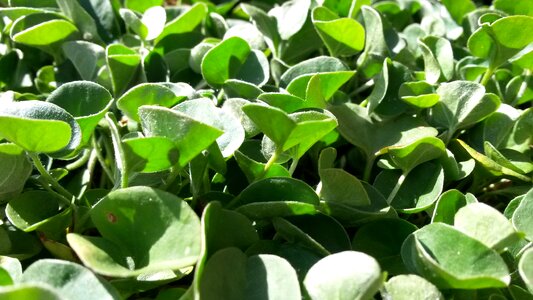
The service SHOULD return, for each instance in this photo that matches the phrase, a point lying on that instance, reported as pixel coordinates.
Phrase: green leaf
(272, 209)
(164, 95)
(229, 274)
(234, 59)
(290, 17)
(342, 36)
(469, 264)
(42, 29)
(125, 68)
(68, 279)
(266, 24)
(86, 57)
(407, 157)
(189, 135)
(14, 171)
(344, 275)
(337, 185)
(420, 189)
(318, 88)
(371, 136)
(319, 233)
(150, 154)
(205, 111)
(12, 267)
(525, 269)
(419, 94)
(486, 224)
(277, 189)
(38, 126)
(186, 22)
(383, 239)
(141, 5)
(75, 11)
(447, 206)
(52, 219)
(30, 291)
(489, 164)
(438, 58)
(376, 49)
(462, 103)
(86, 101)
(522, 216)
(157, 218)
(406, 287)
(256, 170)
(320, 64)
(301, 129)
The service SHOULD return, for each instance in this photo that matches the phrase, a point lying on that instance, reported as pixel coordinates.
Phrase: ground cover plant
(303, 149)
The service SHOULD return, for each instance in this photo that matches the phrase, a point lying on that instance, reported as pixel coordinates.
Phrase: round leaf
(38, 126)
(158, 220)
(451, 259)
(86, 101)
(14, 171)
(69, 279)
(346, 275)
(409, 287)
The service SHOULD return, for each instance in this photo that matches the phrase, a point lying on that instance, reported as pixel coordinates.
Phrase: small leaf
(438, 58)
(522, 220)
(407, 157)
(469, 264)
(406, 287)
(190, 136)
(345, 275)
(462, 103)
(86, 101)
(150, 94)
(203, 110)
(38, 126)
(150, 154)
(486, 224)
(342, 36)
(447, 206)
(186, 22)
(30, 291)
(157, 217)
(526, 270)
(42, 29)
(229, 274)
(320, 64)
(383, 239)
(291, 17)
(86, 57)
(68, 279)
(14, 171)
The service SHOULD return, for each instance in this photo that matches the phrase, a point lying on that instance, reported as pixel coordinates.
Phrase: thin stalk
(368, 168)
(365, 86)
(174, 172)
(101, 159)
(293, 166)
(487, 76)
(396, 187)
(271, 162)
(68, 197)
(80, 162)
(120, 156)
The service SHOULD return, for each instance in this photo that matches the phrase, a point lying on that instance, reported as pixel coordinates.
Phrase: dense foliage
(315, 149)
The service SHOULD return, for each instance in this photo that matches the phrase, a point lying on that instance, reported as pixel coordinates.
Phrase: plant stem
(368, 168)
(396, 188)
(79, 162)
(293, 166)
(50, 180)
(270, 162)
(523, 87)
(101, 159)
(120, 156)
(362, 88)
(486, 76)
